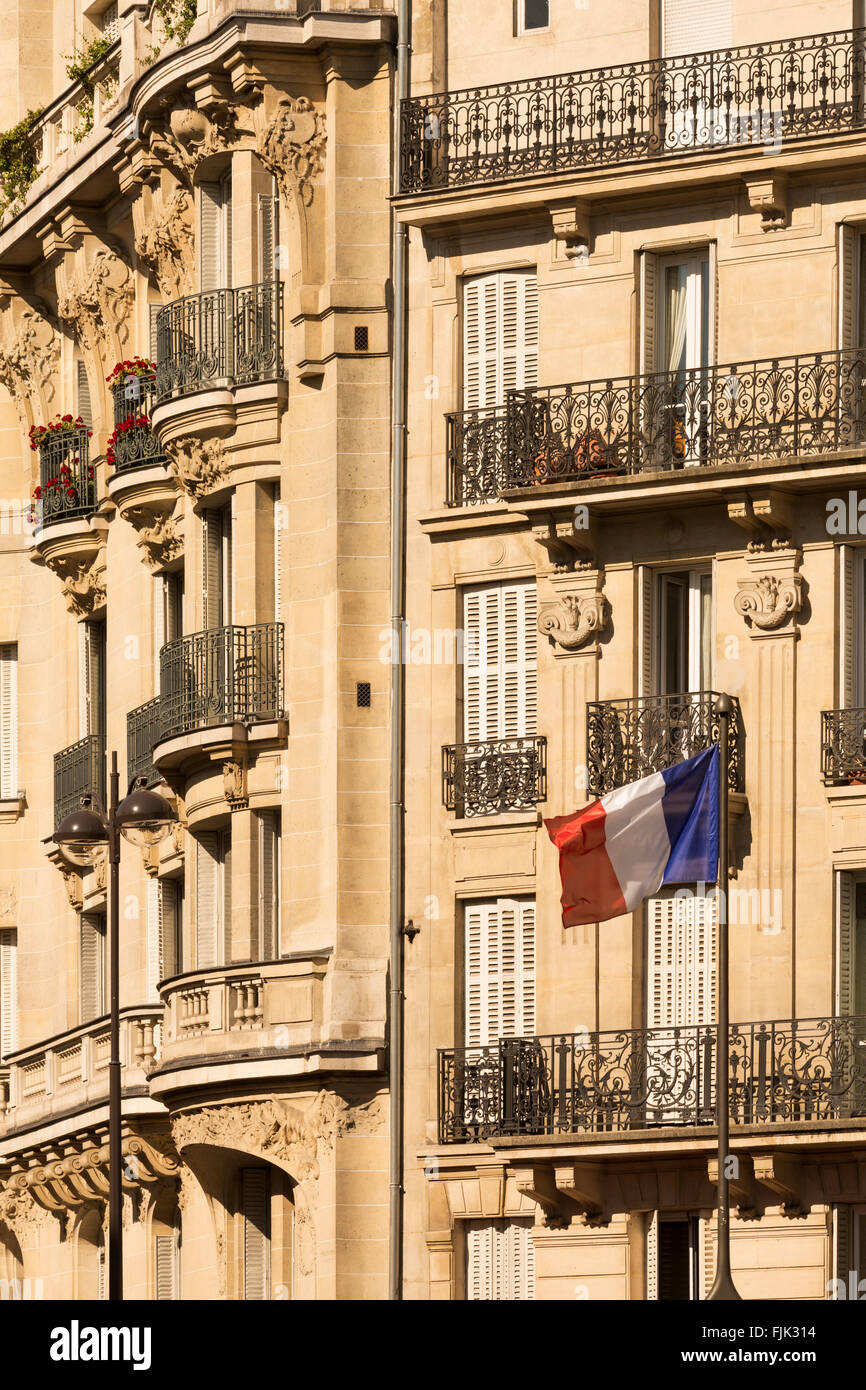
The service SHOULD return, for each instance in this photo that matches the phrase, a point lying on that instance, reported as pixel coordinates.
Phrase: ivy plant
(18, 162)
(178, 17)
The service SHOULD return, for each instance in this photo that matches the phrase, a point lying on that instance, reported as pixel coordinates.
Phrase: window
(279, 549)
(851, 945)
(500, 1261)
(269, 235)
(675, 637)
(218, 567)
(83, 406)
(674, 1256)
(166, 1253)
(694, 26)
(499, 980)
(852, 627)
(681, 961)
(499, 665)
(849, 1242)
(532, 15)
(677, 337)
(255, 1213)
(164, 919)
(215, 237)
(8, 991)
(213, 899)
(91, 679)
(500, 336)
(269, 885)
(8, 720)
(93, 965)
(167, 615)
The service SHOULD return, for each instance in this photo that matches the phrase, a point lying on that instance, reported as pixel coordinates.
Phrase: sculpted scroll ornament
(84, 583)
(160, 534)
(29, 358)
(165, 244)
(768, 602)
(191, 135)
(98, 301)
(292, 146)
(574, 620)
(198, 465)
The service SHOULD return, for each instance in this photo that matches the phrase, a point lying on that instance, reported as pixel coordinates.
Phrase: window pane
(536, 14)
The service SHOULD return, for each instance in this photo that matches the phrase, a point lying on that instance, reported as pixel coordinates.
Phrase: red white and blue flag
(623, 848)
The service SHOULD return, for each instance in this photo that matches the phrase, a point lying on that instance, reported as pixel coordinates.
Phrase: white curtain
(676, 317)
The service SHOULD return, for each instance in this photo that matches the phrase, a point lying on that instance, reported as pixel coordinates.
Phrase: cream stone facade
(212, 197)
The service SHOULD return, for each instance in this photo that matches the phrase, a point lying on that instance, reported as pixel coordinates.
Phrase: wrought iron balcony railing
(843, 745)
(67, 488)
(485, 779)
(134, 444)
(219, 338)
(221, 676)
(768, 94)
(629, 739)
(778, 407)
(79, 770)
(142, 733)
(641, 1078)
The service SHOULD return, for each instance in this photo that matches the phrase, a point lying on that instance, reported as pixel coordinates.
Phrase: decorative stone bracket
(782, 1173)
(560, 1190)
(572, 228)
(235, 785)
(198, 465)
(766, 516)
(84, 579)
(769, 602)
(574, 620)
(570, 543)
(768, 195)
(741, 1187)
(160, 532)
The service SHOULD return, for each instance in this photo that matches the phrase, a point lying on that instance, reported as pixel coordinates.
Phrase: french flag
(625, 846)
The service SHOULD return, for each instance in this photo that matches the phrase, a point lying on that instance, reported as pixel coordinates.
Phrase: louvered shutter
(210, 237)
(269, 893)
(843, 1245)
(500, 336)
(278, 553)
(499, 971)
(8, 720)
(152, 311)
(227, 246)
(91, 678)
(499, 669)
(169, 928)
(101, 1267)
(500, 1261)
(159, 637)
(165, 1265)
(695, 26)
(212, 568)
(91, 967)
(649, 296)
(225, 848)
(268, 236)
(845, 937)
(849, 290)
(255, 1216)
(646, 638)
(229, 529)
(207, 906)
(83, 682)
(652, 1257)
(82, 395)
(681, 958)
(707, 1253)
(851, 682)
(8, 992)
(152, 942)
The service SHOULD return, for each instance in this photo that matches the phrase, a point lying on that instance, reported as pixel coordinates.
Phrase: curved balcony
(630, 739)
(796, 1070)
(224, 675)
(221, 338)
(79, 770)
(69, 1072)
(142, 733)
(488, 779)
(133, 443)
(670, 422)
(766, 95)
(67, 487)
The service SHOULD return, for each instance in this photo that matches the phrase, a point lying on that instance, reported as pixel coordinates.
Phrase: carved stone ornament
(198, 465)
(72, 884)
(190, 135)
(768, 602)
(235, 785)
(84, 581)
(62, 1181)
(292, 146)
(97, 302)
(29, 358)
(160, 534)
(164, 241)
(8, 905)
(574, 620)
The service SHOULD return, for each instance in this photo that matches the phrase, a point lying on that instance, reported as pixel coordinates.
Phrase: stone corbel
(783, 1175)
(84, 580)
(582, 1184)
(164, 239)
(771, 601)
(575, 620)
(768, 195)
(538, 1182)
(199, 465)
(572, 228)
(29, 355)
(160, 532)
(570, 544)
(235, 784)
(767, 517)
(741, 1188)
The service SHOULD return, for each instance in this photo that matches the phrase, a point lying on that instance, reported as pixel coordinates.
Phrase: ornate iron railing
(134, 444)
(629, 739)
(767, 94)
(641, 1078)
(222, 337)
(67, 488)
(485, 779)
(843, 745)
(221, 676)
(79, 770)
(142, 733)
(777, 407)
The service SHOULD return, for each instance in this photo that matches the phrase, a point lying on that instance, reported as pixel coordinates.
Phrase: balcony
(79, 770)
(772, 94)
(630, 739)
(739, 413)
(133, 444)
(640, 1078)
(843, 746)
(67, 488)
(142, 733)
(222, 338)
(70, 1072)
(222, 676)
(487, 779)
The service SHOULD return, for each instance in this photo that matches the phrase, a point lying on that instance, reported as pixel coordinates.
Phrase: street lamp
(83, 837)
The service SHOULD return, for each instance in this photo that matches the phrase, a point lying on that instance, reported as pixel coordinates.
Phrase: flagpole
(723, 1285)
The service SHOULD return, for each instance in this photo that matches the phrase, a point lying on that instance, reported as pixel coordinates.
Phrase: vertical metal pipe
(397, 693)
(115, 1118)
(723, 1285)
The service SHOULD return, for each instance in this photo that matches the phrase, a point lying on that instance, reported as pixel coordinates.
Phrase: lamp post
(144, 818)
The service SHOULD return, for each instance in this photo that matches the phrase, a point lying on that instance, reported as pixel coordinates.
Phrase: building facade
(635, 446)
(194, 260)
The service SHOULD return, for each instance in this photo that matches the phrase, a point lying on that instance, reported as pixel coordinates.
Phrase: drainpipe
(398, 589)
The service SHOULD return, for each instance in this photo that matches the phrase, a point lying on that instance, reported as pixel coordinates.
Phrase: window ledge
(12, 808)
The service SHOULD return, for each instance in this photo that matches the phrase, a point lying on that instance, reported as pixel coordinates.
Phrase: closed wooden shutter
(652, 1257)
(278, 553)
(159, 637)
(269, 235)
(269, 885)
(649, 297)
(152, 942)
(500, 336)
(92, 964)
(681, 961)
(499, 669)
(499, 971)
(8, 720)
(170, 912)
(227, 247)
(852, 688)
(152, 311)
(8, 991)
(91, 678)
(255, 1217)
(849, 290)
(850, 968)
(165, 1265)
(695, 26)
(210, 249)
(646, 637)
(500, 1261)
(101, 1267)
(843, 1246)
(208, 906)
(212, 568)
(83, 405)
(225, 850)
